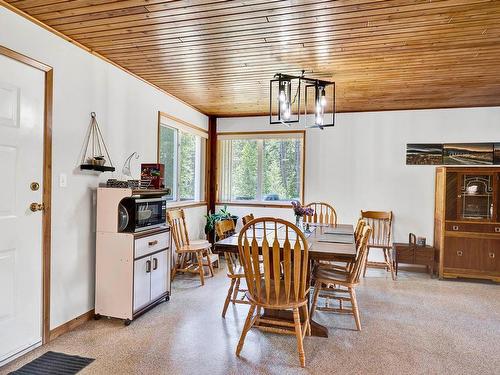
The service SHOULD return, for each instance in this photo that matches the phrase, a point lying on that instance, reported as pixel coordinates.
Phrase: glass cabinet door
(476, 197)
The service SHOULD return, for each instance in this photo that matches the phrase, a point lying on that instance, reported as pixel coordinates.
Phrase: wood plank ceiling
(219, 55)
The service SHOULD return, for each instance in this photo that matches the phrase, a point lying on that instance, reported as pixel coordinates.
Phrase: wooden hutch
(467, 222)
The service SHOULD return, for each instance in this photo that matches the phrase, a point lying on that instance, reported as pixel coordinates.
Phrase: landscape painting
(468, 154)
(424, 154)
(496, 154)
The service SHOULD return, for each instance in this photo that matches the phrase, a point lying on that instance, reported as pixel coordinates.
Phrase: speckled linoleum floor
(415, 325)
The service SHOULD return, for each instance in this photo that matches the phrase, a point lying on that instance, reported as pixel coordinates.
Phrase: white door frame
(47, 182)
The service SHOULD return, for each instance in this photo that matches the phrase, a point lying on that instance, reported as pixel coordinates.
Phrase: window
(260, 168)
(181, 148)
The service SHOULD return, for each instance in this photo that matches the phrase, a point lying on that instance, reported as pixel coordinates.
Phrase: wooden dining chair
(247, 218)
(324, 213)
(187, 251)
(358, 231)
(235, 272)
(281, 283)
(335, 284)
(381, 224)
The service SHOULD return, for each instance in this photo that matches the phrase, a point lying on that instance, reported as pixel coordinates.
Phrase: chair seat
(194, 247)
(326, 273)
(199, 242)
(213, 258)
(281, 302)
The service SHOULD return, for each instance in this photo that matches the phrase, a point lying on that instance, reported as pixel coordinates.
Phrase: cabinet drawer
(471, 253)
(150, 244)
(405, 255)
(473, 227)
(424, 256)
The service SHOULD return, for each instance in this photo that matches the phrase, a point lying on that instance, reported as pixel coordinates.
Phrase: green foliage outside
(187, 166)
(167, 150)
(244, 163)
(187, 162)
(280, 169)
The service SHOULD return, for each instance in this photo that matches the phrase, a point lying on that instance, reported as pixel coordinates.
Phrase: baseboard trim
(71, 325)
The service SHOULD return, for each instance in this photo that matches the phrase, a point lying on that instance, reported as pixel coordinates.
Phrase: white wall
(127, 110)
(360, 163)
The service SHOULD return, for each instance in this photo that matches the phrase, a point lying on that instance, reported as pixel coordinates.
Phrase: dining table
(326, 242)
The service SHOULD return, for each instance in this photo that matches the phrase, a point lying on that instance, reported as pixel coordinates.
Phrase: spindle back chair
(381, 224)
(280, 281)
(235, 273)
(324, 213)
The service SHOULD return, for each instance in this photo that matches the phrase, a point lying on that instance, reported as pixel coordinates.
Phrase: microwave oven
(136, 214)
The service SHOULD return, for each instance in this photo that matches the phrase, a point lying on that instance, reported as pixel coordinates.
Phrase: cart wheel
(127, 322)
(97, 316)
(167, 298)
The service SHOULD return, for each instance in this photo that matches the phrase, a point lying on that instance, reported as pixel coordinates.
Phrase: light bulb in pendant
(282, 96)
(323, 98)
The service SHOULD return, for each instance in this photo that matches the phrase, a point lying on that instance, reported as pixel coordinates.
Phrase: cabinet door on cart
(160, 274)
(142, 282)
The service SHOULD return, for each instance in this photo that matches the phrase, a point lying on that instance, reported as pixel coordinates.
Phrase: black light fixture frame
(279, 77)
(316, 83)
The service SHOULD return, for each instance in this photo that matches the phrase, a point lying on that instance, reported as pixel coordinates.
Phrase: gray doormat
(52, 363)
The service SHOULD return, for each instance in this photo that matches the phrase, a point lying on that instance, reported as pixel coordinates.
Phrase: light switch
(63, 180)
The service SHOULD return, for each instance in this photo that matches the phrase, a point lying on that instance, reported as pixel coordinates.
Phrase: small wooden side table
(414, 254)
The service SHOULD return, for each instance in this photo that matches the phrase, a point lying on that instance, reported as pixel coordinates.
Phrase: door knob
(34, 207)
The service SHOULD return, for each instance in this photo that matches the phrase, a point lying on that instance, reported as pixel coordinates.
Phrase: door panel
(142, 282)
(160, 274)
(21, 162)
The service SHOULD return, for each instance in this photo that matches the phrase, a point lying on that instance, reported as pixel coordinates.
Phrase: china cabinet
(467, 222)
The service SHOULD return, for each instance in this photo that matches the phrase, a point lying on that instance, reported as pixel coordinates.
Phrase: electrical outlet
(63, 180)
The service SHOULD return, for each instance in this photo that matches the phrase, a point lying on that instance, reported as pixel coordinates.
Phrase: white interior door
(21, 163)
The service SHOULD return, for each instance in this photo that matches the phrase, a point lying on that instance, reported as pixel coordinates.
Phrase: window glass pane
(168, 157)
(187, 167)
(281, 169)
(244, 170)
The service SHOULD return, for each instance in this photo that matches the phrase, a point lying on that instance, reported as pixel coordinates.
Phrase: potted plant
(212, 218)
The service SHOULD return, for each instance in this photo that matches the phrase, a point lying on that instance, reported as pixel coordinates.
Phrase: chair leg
(307, 320)
(246, 328)
(298, 333)
(210, 265)
(390, 263)
(317, 288)
(228, 298)
(355, 308)
(175, 268)
(365, 266)
(199, 257)
(236, 290)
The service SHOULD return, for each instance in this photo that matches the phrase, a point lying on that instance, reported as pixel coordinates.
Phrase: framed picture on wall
(468, 154)
(496, 153)
(424, 154)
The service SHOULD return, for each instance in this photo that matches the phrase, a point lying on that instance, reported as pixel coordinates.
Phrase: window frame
(201, 171)
(263, 135)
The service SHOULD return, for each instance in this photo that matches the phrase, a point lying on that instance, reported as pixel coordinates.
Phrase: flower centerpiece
(301, 211)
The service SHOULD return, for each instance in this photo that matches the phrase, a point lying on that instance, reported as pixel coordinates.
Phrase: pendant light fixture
(319, 108)
(285, 97)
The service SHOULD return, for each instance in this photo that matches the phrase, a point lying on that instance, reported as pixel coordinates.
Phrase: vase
(298, 221)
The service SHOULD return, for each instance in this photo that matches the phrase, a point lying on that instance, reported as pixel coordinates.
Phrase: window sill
(256, 204)
(187, 204)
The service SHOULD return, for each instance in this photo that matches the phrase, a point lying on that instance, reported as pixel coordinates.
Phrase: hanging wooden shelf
(95, 155)
(100, 168)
